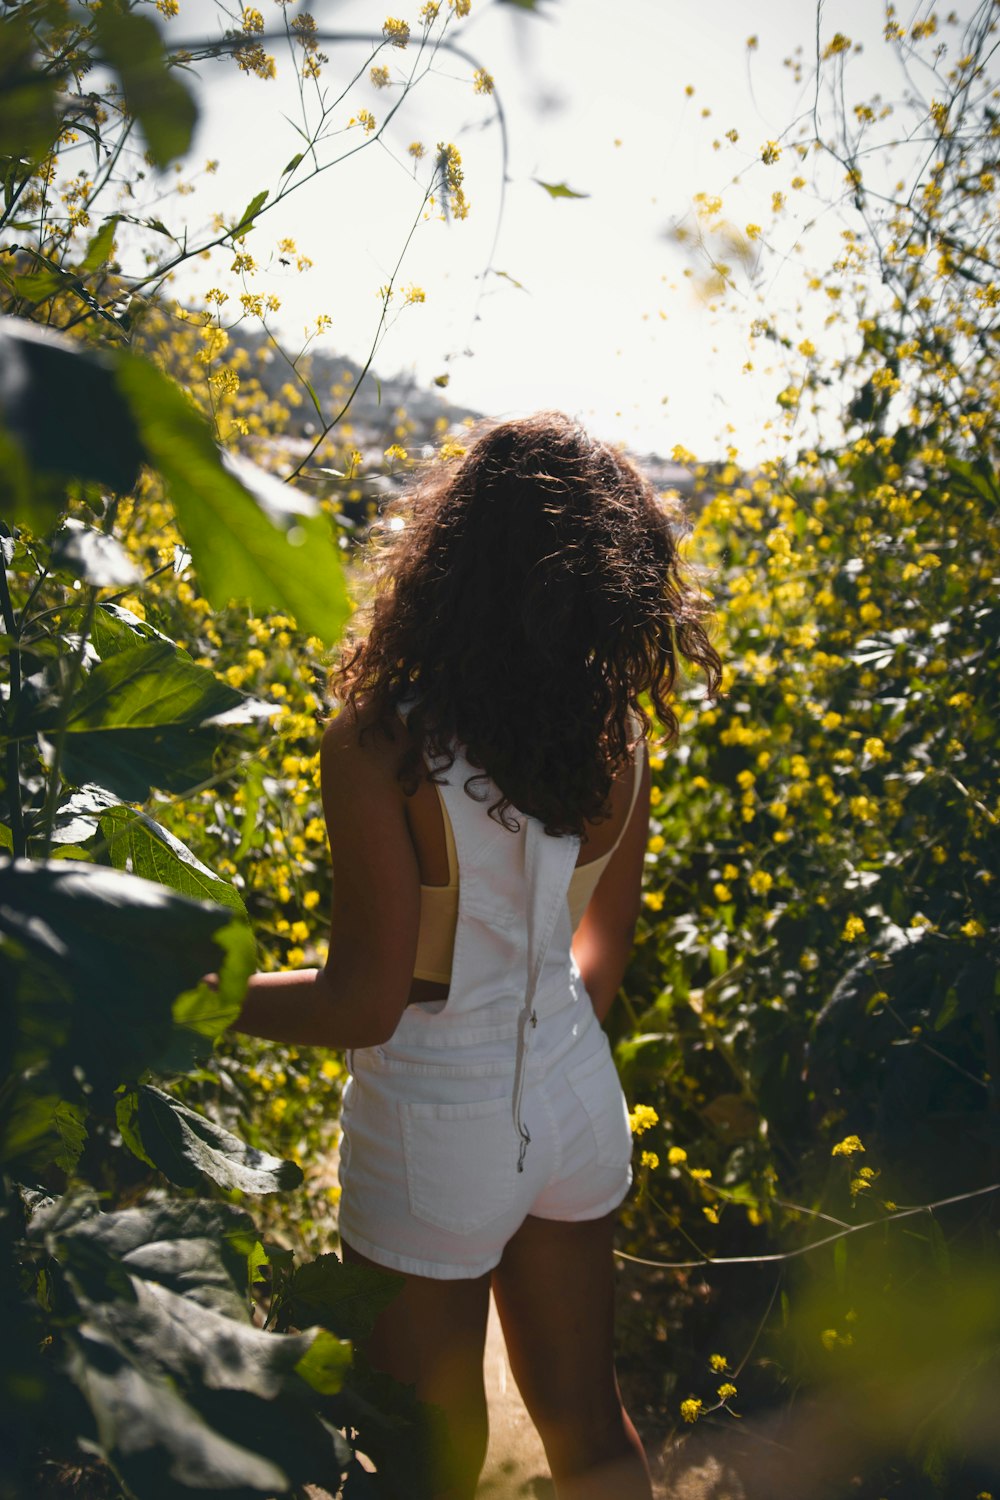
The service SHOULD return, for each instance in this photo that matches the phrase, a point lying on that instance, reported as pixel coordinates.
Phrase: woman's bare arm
(356, 1000)
(603, 940)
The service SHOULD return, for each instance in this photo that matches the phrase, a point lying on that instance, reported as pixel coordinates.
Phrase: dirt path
(515, 1460)
(515, 1466)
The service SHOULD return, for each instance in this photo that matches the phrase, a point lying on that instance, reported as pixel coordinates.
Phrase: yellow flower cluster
(642, 1118)
(849, 1146)
(396, 32)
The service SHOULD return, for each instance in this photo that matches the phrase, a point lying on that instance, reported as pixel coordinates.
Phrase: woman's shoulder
(359, 739)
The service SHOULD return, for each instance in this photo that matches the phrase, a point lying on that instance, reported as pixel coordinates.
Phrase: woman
(487, 798)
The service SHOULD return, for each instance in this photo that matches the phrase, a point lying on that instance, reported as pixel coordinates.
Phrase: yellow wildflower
(849, 1146)
(396, 32)
(642, 1118)
(691, 1409)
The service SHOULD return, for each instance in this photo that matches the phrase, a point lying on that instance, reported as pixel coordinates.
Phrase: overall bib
(502, 1100)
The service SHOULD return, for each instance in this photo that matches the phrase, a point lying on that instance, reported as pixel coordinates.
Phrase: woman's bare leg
(432, 1336)
(554, 1292)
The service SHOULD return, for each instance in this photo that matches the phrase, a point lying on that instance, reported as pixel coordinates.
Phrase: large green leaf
(147, 687)
(161, 1443)
(114, 629)
(343, 1297)
(154, 93)
(77, 818)
(134, 723)
(88, 554)
(95, 960)
(187, 1399)
(173, 1336)
(194, 1248)
(237, 552)
(60, 406)
(131, 762)
(28, 122)
(188, 1148)
(39, 1129)
(325, 1363)
(138, 843)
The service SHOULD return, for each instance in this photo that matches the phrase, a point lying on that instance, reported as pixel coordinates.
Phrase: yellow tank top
(439, 903)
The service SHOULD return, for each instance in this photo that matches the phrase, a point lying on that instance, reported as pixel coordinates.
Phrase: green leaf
(38, 1129)
(559, 189)
(154, 93)
(138, 843)
(77, 818)
(188, 1148)
(93, 962)
(64, 412)
(93, 557)
(127, 1120)
(237, 552)
(208, 1012)
(28, 120)
(840, 1263)
(292, 164)
(325, 1363)
(196, 1248)
(100, 246)
(244, 223)
(508, 277)
(344, 1297)
(131, 762)
(114, 629)
(39, 285)
(148, 687)
(253, 790)
(939, 1247)
(158, 1441)
(949, 1009)
(257, 1259)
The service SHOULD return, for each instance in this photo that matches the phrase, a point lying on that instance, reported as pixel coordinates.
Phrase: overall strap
(548, 866)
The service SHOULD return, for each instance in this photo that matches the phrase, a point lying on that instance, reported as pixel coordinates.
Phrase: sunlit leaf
(237, 552)
(154, 93)
(93, 557)
(136, 842)
(244, 223)
(559, 189)
(188, 1148)
(60, 404)
(100, 246)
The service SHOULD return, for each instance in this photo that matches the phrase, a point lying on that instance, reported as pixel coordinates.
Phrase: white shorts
(429, 1157)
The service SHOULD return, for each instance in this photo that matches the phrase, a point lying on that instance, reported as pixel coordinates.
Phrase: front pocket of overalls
(595, 1083)
(460, 1161)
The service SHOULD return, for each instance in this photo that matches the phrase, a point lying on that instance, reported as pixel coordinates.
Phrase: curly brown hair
(526, 597)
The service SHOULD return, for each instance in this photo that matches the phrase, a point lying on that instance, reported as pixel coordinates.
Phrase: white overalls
(502, 1100)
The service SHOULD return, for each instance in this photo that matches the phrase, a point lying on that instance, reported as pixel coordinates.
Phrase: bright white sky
(607, 328)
